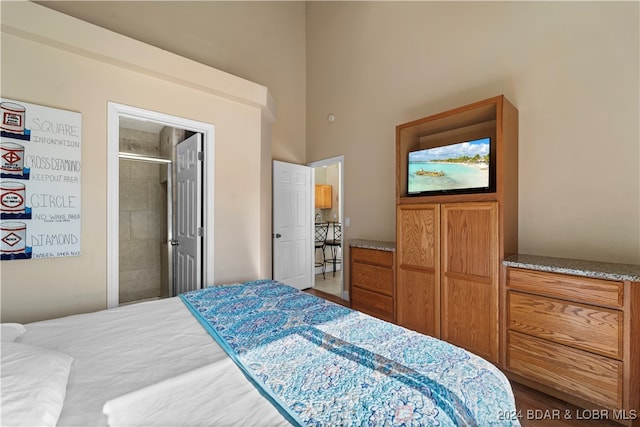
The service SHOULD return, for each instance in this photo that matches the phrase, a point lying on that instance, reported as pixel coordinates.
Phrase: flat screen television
(456, 168)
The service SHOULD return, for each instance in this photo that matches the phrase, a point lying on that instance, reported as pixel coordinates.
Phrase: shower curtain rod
(130, 156)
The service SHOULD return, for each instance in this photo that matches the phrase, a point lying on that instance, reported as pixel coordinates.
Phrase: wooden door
(469, 277)
(418, 272)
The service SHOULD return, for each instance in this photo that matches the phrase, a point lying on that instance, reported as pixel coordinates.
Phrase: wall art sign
(40, 181)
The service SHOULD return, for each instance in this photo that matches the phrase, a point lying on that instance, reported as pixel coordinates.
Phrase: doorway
(329, 216)
(149, 201)
(145, 212)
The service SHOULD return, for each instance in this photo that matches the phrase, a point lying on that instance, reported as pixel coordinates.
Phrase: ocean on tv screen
(457, 166)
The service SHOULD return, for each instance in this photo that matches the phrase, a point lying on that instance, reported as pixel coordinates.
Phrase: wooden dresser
(372, 285)
(573, 331)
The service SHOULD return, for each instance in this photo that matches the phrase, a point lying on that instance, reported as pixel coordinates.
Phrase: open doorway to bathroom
(160, 205)
(146, 220)
(329, 222)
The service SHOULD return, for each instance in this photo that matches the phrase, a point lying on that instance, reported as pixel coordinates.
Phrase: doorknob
(277, 235)
(174, 243)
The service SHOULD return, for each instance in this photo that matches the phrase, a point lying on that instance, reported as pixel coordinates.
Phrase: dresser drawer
(372, 256)
(372, 303)
(582, 289)
(591, 377)
(372, 277)
(577, 325)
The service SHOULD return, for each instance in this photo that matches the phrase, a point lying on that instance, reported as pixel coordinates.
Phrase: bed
(257, 353)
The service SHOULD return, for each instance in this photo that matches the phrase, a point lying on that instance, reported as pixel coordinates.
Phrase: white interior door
(187, 241)
(292, 224)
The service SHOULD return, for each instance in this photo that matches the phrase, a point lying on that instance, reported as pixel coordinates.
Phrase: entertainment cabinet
(449, 247)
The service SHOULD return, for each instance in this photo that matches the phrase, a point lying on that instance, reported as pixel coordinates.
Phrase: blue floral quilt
(322, 364)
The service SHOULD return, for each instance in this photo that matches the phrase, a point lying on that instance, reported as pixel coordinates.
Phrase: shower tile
(133, 195)
(139, 284)
(148, 225)
(124, 226)
(136, 255)
(145, 170)
(124, 167)
(157, 196)
(139, 142)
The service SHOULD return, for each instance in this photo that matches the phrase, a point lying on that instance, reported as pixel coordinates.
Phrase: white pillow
(34, 384)
(10, 331)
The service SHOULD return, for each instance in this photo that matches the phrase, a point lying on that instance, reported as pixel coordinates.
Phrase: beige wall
(571, 68)
(57, 61)
(261, 41)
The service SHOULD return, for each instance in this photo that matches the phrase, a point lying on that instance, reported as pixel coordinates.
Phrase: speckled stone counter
(576, 267)
(373, 244)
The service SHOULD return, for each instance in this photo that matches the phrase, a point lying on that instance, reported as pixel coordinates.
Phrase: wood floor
(330, 297)
(538, 409)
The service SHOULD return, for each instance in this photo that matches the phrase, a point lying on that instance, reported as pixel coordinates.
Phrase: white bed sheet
(148, 351)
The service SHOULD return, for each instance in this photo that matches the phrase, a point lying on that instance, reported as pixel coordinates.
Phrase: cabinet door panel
(469, 276)
(323, 196)
(418, 235)
(418, 271)
(416, 301)
(470, 238)
(471, 317)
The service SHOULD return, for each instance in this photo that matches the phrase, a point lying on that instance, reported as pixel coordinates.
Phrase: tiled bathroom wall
(143, 219)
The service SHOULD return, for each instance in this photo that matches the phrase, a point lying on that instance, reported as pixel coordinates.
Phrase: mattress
(262, 353)
(151, 361)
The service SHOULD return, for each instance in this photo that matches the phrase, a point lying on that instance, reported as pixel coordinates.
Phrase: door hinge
(200, 155)
(200, 231)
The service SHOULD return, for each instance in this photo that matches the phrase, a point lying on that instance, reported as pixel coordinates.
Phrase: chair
(322, 229)
(335, 245)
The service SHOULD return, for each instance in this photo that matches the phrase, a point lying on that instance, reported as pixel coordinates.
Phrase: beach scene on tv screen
(452, 167)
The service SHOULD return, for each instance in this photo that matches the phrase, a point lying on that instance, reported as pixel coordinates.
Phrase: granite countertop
(576, 267)
(373, 244)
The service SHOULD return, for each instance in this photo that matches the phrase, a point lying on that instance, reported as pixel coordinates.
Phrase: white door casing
(189, 230)
(292, 224)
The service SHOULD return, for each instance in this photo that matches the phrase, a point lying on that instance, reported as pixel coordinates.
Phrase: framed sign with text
(40, 181)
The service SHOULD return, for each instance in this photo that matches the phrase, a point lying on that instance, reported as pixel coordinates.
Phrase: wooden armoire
(450, 246)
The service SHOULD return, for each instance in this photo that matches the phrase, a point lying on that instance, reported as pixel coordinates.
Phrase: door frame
(326, 162)
(114, 113)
